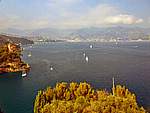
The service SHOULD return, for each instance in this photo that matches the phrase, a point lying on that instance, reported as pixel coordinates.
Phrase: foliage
(82, 98)
(10, 58)
(5, 55)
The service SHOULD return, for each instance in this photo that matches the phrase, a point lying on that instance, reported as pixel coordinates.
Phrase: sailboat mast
(113, 80)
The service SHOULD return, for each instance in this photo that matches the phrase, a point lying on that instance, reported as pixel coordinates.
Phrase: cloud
(6, 21)
(92, 17)
(13, 21)
(64, 8)
(33, 24)
(123, 19)
(100, 16)
(62, 5)
(61, 15)
(63, 1)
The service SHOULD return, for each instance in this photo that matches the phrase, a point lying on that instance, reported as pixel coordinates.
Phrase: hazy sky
(32, 14)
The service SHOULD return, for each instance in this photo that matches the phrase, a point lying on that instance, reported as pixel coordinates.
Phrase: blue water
(128, 62)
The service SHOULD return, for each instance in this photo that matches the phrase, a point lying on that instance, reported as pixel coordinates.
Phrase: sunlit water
(50, 63)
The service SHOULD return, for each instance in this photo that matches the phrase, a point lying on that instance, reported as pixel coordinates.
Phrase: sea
(53, 62)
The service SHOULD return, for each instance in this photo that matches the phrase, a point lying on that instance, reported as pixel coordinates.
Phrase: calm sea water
(128, 62)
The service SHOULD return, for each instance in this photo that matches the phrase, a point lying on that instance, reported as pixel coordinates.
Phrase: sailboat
(87, 59)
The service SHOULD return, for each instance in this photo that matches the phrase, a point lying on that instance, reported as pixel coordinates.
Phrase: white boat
(116, 42)
(91, 46)
(29, 55)
(23, 49)
(51, 68)
(24, 74)
(84, 54)
(87, 59)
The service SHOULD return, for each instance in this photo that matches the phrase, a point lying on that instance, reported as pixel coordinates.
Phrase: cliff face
(5, 38)
(10, 60)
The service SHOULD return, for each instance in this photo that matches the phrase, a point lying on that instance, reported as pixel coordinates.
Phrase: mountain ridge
(91, 33)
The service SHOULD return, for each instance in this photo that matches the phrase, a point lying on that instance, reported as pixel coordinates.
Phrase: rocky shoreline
(10, 58)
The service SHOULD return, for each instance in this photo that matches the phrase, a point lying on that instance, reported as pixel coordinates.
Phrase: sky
(68, 14)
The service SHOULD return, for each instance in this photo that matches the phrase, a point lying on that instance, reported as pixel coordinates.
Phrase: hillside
(17, 40)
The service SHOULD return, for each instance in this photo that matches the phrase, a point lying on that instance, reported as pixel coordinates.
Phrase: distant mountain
(17, 32)
(86, 34)
(90, 34)
(119, 33)
(52, 33)
(17, 40)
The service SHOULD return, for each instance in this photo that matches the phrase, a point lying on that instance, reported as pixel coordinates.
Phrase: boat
(51, 68)
(24, 74)
(84, 54)
(87, 58)
(29, 55)
(91, 46)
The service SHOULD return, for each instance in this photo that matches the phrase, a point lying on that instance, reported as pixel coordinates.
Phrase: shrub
(82, 98)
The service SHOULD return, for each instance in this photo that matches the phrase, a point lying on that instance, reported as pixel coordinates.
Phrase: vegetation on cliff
(4, 39)
(82, 98)
(10, 59)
